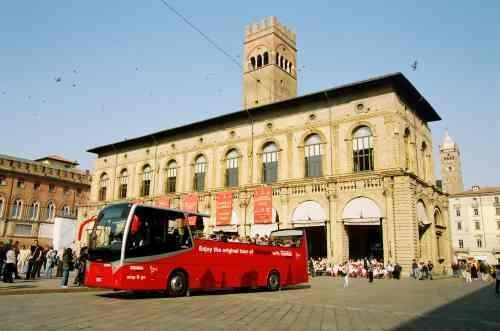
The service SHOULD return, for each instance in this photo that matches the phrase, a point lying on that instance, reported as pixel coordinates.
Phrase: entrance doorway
(365, 241)
(316, 241)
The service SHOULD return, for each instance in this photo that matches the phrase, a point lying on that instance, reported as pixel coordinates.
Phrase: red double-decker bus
(143, 248)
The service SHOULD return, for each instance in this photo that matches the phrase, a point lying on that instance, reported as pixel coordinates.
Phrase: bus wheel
(177, 284)
(273, 281)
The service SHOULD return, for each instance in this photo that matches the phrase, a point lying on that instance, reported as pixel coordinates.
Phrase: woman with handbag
(67, 266)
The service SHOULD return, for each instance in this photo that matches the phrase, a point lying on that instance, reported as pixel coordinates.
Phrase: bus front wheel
(273, 281)
(177, 284)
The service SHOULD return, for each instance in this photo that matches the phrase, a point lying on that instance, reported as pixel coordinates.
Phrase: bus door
(155, 244)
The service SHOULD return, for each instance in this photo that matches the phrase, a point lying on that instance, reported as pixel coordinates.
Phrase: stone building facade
(352, 165)
(33, 193)
(475, 224)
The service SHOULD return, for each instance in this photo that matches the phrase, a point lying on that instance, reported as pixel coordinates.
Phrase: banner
(263, 205)
(162, 202)
(224, 204)
(190, 203)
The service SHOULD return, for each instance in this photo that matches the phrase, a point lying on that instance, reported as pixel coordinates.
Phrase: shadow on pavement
(479, 310)
(155, 295)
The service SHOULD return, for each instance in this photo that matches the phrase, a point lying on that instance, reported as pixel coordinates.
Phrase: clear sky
(129, 68)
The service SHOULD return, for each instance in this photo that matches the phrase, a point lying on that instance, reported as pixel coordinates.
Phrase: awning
(308, 212)
(361, 211)
(422, 214)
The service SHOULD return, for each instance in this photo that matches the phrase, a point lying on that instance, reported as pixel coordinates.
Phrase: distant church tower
(451, 167)
(270, 63)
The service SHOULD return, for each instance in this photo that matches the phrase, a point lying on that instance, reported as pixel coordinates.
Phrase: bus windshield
(107, 235)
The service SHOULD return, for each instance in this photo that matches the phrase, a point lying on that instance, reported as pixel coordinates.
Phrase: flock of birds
(208, 76)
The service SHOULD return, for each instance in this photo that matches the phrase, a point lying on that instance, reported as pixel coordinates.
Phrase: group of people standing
(28, 260)
(369, 268)
(35, 261)
(421, 270)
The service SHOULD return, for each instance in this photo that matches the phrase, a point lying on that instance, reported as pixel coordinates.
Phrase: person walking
(345, 271)
(468, 278)
(10, 262)
(370, 273)
(430, 266)
(51, 257)
(414, 269)
(473, 271)
(67, 266)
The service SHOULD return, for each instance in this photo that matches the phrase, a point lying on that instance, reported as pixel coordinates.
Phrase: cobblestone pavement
(446, 304)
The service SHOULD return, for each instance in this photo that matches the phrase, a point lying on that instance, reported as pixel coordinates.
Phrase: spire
(448, 142)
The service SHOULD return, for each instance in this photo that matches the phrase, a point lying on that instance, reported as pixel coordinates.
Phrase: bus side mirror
(135, 225)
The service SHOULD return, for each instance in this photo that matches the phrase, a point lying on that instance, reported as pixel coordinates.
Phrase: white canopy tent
(361, 211)
(309, 213)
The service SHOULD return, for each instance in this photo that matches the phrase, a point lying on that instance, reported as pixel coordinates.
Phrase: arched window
(17, 209)
(406, 139)
(277, 58)
(171, 177)
(286, 65)
(266, 58)
(290, 67)
(34, 210)
(362, 146)
(103, 186)
(51, 211)
(122, 189)
(66, 211)
(424, 161)
(252, 62)
(200, 169)
(270, 163)
(2, 206)
(312, 149)
(281, 61)
(259, 61)
(147, 174)
(232, 168)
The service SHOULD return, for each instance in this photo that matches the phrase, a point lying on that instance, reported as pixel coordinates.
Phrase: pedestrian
(67, 266)
(51, 262)
(24, 255)
(10, 262)
(397, 270)
(430, 266)
(468, 278)
(425, 271)
(370, 273)
(473, 271)
(345, 273)
(18, 252)
(497, 274)
(34, 260)
(82, 261)
(414, 269)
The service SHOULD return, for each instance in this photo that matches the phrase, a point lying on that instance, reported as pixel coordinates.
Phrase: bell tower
(451, 166)
(270, 63)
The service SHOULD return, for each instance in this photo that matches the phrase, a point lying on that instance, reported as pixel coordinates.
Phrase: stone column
(330, 233)
(406, 231)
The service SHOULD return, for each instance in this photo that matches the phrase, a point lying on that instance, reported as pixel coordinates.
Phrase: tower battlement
(267, 24)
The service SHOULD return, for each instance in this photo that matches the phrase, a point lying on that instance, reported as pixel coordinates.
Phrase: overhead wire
(218, 47)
